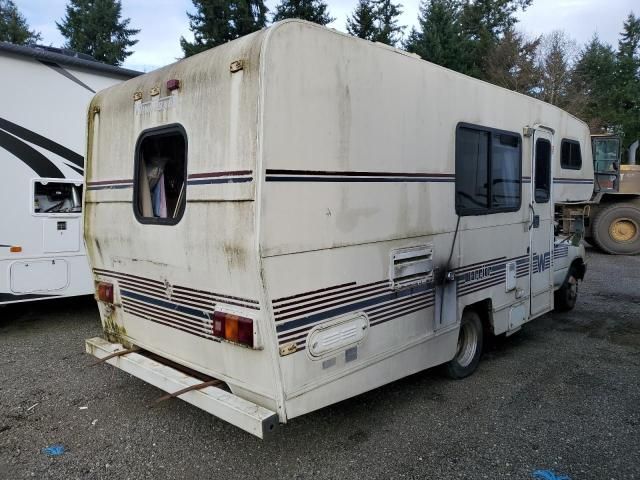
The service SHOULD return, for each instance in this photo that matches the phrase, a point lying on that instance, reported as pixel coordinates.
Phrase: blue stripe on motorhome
(165, 304)
(291, 324)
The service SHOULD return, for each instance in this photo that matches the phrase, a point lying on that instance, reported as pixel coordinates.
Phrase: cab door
(541, 222)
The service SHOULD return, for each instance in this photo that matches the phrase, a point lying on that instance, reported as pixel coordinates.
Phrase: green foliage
(512, 63)
(95, 27)
(626, 93)
(361, 23)
(219, 21)
(439, 38)
(376, 20)
(589, 92)
(311, 10)
(14, 27)
(387, 29)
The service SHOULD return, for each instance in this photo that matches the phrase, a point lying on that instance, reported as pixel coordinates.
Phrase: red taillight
(234, 328)
(105, 292)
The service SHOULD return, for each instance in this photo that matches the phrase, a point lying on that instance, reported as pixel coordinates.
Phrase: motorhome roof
(66, 57)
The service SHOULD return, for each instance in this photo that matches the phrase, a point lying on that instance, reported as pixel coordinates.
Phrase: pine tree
(388, 30)
(484, 23)
(219, 21)
(311, 10)
(95, 27)
(512, 63)
(361, 24)
(557, 57)
(14, 27)
(626, 92)
(439, 37)
(590, 89)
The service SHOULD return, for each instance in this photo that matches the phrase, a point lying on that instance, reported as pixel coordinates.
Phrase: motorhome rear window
(160, 179)
(488, 170)
(570, 156)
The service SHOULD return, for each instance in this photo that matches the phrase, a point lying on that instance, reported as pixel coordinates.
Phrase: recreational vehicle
(299, 216)
(43, 115)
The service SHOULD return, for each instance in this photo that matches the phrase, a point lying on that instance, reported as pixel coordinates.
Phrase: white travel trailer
(43, 112)
(299, 216)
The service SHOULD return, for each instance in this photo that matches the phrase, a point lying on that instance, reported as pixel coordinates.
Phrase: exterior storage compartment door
(39, 276)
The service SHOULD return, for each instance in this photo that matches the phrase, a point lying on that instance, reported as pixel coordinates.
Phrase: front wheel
(565, 297)
(469, 347)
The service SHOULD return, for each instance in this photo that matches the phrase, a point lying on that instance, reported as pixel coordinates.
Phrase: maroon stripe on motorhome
(147, 316)
(219, 174)
(472, 266)
(394, 305)
(353, 290)
(187, 290)
(312, 292)
(109, 182)
(186, 321)
(356, 173)
(379, 322)
(334, 304)
(160, 295)
(480, 287)
(348, 297)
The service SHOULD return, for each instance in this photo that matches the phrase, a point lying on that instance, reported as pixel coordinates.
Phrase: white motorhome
(43, 112)
(299, 216)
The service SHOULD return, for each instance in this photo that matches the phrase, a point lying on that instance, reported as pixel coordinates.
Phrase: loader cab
(606, 163)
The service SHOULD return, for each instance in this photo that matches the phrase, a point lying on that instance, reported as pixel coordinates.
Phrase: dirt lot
(563, 394)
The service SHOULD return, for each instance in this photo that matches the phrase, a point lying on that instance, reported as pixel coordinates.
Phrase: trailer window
(56, 197)
(160, 175)
(542, 180)
(487, 171)
(570, 156)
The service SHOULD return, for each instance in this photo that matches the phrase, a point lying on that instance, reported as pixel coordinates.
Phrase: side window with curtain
(488, 171)
(542, 180)
(160, 179)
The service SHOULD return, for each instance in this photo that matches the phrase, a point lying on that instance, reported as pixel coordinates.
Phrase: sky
(163, 22)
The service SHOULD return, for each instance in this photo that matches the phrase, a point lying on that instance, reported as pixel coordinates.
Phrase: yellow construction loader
(611, 219)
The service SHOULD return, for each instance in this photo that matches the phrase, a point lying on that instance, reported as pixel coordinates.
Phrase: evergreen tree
(311, 10)
(626, 92)
(439, 36)
(589, 92)
(388, 30)
(95, 27)
(484, 23)
(361, 24)
(14, 27)
(219, 21)
(557, 55)
(512, 63)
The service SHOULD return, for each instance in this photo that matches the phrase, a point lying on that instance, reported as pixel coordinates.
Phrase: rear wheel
(616, 229)
(469, 346)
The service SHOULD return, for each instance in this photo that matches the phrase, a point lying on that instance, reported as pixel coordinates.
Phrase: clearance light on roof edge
(173, 84)
(233, 328)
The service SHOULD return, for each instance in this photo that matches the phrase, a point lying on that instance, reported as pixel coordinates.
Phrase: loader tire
(469, 347)
(616, 229)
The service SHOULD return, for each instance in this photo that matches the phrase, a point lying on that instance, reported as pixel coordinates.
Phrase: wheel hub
(624, 230)
(467, 344)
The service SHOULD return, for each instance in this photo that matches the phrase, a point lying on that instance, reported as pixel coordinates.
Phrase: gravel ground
(563, 394)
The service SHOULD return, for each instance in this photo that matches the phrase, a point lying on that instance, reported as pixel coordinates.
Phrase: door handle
(532, 216)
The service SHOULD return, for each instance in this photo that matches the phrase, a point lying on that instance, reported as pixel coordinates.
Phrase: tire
(566, 296)
(616, 229)
(469, 348)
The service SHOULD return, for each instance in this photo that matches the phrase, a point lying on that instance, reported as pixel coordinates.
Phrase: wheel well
(484, 309)
(578, 268)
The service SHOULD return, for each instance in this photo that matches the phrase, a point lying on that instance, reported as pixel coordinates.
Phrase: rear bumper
(243, 414)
